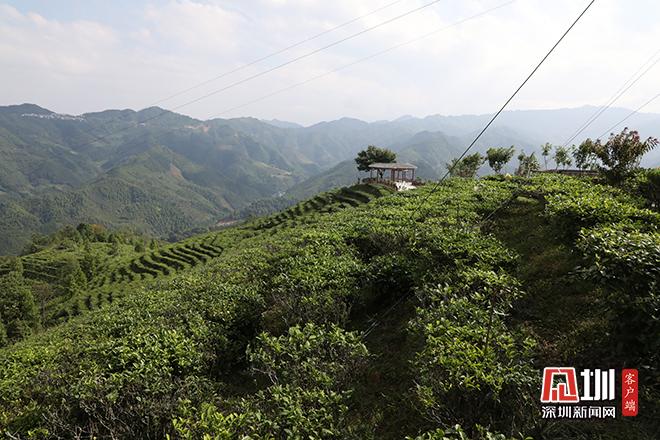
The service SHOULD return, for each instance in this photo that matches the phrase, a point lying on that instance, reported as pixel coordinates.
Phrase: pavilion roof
(393, 166)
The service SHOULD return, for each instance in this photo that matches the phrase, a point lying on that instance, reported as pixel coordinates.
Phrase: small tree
(619, 156)
(562, 157)
(71, 277)
(466, 167)
(584, 160)
(498, 157)
(373, 155)
(18, 312)
(545, 152)
(527, 164)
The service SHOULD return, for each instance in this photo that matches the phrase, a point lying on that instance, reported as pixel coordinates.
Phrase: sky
(77, 56)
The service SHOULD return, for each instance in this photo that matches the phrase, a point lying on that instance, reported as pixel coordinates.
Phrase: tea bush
(471, 360)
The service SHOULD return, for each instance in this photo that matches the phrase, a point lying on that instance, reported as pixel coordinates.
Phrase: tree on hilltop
(545, 152)
(498, 157)
(562, 157)
(619, 156)
(373, 155)
(466, 167)
(527, 164)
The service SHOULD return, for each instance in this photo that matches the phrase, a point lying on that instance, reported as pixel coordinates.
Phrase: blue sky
(76, 56)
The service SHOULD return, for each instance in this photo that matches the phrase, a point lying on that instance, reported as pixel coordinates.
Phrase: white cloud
(194, 27)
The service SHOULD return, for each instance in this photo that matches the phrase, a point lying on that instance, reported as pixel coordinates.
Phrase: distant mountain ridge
(163, 173)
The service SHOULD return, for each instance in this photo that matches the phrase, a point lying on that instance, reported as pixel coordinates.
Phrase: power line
(609, 130)
(451, 168)
(265, 72)
(278, 52)
(307, 55)
(361, 60)
(618, 94)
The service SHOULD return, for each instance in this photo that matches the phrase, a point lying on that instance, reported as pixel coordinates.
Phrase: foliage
(18, 312)
(458, 433)
(545, 152)
(312, 280)
(471, 360)
(625, 262)
(308, 357)
(577, 204)
(498, 157)
(244, 332)
(619, 156)
(527, 164)
(623, 258)
(620, 248)
(309, 370)
(467, 166)
(275, 413)
(562, 157)
(373, 155)
(647, 184)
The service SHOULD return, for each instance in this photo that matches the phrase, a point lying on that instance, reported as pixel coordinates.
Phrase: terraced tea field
(321, 204)
(116, 274)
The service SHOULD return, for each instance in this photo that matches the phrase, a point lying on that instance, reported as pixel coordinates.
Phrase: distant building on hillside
(398, 175)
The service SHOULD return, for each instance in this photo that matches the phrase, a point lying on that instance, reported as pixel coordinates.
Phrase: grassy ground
(563, 311)
(385, 397)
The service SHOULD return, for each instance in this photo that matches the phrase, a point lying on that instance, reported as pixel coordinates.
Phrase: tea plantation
(358, 314)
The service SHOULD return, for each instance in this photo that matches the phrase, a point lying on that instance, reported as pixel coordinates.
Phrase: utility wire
(278, 52)
(451, 168)
(361, 60)
(267, 71)
(306, 55)
(618, 94)
(609, 130)
(378, 320)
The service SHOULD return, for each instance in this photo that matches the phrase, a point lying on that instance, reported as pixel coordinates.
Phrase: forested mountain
(156, 171)
(164, 173)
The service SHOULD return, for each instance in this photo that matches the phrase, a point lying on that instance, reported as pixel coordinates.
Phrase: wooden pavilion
(392, 172)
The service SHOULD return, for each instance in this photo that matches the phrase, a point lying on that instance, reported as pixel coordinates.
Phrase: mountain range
(163, 173)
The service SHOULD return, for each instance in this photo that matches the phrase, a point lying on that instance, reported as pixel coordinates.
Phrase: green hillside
(356, 314)
(157, 172)
(429, 151)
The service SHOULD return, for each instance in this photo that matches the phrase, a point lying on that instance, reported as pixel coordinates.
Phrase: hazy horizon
(396, 118)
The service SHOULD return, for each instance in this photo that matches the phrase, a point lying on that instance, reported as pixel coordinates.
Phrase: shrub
(310, 370)
(467, 166)
(472, 368)
(619, 156)
(647, 184)
(18, 311)
(457, 433)
(575, 204)
(311, 356)
(527, 164)
(624, 262)
(313, 276)
(278, 412)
